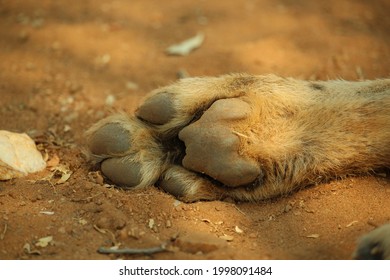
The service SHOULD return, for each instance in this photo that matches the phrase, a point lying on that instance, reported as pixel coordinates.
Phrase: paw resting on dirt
(245, 137)
(113, 140)
(375, 245)
(172, 133)
(126, 149)
(211, 143)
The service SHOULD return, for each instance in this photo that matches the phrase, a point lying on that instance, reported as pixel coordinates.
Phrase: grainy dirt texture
(66, 65)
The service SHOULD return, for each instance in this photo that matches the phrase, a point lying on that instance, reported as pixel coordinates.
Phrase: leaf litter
(44, 241)
(186, 47)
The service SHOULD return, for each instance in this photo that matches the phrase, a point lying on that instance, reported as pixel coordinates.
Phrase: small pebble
(18, 155)
(110, 100)
(62, 230)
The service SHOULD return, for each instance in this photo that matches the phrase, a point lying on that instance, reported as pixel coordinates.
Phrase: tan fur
(302, 133)
(299, 132)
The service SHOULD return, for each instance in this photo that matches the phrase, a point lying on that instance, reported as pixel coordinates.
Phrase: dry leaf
(227, 237)
(27, 250)
(53, 161)
(4, 231)
(351, 223)
(46, 212)
(102, 60)
(110, 100)
(99, 229)
(61, 171)
(187, 46)
(238, 230)
(44, 241)
(151, 223)
(63, 178)
(96, 176)
(131, 85)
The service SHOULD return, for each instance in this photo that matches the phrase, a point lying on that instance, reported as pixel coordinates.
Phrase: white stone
(18, 155)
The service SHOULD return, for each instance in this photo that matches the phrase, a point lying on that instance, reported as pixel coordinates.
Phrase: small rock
(74, 87)
(82, 221)
(252, 235)
(62, 230)
(182, 74)
(103, 222)
(110, 100)
(18, 155)
(102, 61)
(176, 203)
(287, 208)
(67, 128)
(134, 232)
(53, 161)
(131, 85)
(194, 243)
(38, 22)
(227, 237)
(119, 223)
(123, 234)
(23, 36)
(111, 223)
(99, 178)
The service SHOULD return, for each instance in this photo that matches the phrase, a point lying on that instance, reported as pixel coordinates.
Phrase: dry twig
(3, 233)
(133, 251)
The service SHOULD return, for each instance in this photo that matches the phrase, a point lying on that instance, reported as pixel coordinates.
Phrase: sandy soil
(66, 65)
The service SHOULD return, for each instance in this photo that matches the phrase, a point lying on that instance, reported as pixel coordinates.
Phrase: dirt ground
(66, 64)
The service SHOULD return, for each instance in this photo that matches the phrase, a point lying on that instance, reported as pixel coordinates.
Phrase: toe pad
(158, 109)
(110, 139)
(122, 172)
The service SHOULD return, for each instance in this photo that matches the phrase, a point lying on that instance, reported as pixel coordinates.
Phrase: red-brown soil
(65, 65)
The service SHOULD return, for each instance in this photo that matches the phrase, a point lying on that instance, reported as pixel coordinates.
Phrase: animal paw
(184, 137)
(375, 245)
(127, 151)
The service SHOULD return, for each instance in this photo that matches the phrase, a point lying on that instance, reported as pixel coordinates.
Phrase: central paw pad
(212, 146)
